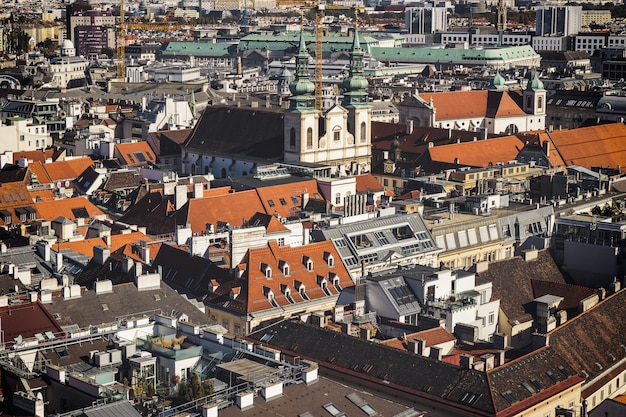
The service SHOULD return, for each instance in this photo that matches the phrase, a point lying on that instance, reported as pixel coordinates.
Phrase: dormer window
(329, 258)
(336, 281)
(284, 266)
(287, 292)
(308, 262)
(269, 293)
(323, 283)
(267, 270)
(213, 285)
(234, 292)
(301, 290)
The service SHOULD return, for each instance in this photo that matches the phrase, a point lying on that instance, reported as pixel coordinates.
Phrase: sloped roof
(40, 155)
(241, 131)
(117, 241)
(268, 221)
(135, 153)
(69, 208)
(167, 142)
(282, 199)
(367, 183)
(478, 153)
(122, 179)
(383, 135)
(232, 208)
(272, 255)
(593, 341)
(87, 310)
(26, 319)
(190, 275)
(572, 294)
(452, 105)
(63, 170)
(432, 337)
(601, 145)
(517, 273)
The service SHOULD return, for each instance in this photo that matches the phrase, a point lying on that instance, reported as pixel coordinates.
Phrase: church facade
(339, 137)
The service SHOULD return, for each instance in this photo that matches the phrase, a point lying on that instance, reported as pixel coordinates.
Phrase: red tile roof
(478, 153)
(38, 155)
(132, 153)
(367, 183)
(432, 337)
(473, 104)
(117, 241)
(601, 145)
(50, 210)
(60, 170)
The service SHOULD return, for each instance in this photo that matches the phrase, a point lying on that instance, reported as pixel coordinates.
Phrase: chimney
(540, 340)
(449, 133)
(100, 254)
(615, 286)
(145, 252)
(409, 126)
(180, 196)
(465, 361)
(431, 145)
(305, 199)
(366, 334)
(530, 254)
(127, 264)
(601, 294)
(499, 341)
(501, 357)
(138, 269)
(44, 250)
(488, 359)
(546, 147)
(59, 262)
(346, 328)
(198, 190)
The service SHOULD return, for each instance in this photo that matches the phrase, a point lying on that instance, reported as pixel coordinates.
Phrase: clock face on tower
(388, 167)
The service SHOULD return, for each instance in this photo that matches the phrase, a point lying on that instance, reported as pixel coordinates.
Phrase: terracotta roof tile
(133, 153)
(50, 210)
(432, 337)
(256, 287)
(366, 183)
(601, 145)
(117, 241)
(473, 104)
(60, 170)
(38, 155)
(478, 153)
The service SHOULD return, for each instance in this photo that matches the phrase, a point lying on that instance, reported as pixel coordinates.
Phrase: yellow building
(42, 32)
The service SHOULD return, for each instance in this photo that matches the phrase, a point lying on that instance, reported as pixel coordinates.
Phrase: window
(21, 138)
(491, 318)
(271, 203)
(338, 199)
(226, 324)
(337, 136)
(309, 264)
(363, 132)
(292, 137)
(309, 138)
(286, 268)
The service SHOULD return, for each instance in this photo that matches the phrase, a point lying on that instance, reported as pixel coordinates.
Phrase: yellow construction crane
(121, 62)
(319, 8)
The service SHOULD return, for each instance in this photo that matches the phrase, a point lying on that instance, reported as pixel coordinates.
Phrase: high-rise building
(558, 20)
(427, 19)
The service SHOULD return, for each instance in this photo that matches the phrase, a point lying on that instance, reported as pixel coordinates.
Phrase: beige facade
(40, 32)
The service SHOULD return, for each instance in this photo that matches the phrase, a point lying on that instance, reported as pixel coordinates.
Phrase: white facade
(590, 43)
(558, 20)
(67, 68)
(549, 43)
(422, 20)
(23, 135)
(616, 41)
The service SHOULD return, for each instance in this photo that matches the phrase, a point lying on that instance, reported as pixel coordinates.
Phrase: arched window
(309, 138)
(292, 137)
(511, 129)
(363, 132)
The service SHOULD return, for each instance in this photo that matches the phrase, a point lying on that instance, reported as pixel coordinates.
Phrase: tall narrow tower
(355, 100)
(301, 119)
(501, 20)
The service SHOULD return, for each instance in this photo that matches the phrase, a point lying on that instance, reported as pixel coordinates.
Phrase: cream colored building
(596, 16)
(42, 32)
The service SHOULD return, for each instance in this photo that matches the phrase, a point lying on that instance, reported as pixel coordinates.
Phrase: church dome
(535, 84)
(67, 44)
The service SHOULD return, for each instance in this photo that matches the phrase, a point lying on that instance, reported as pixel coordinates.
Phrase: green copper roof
(498, 81)
(290, 40)
(535, 84)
